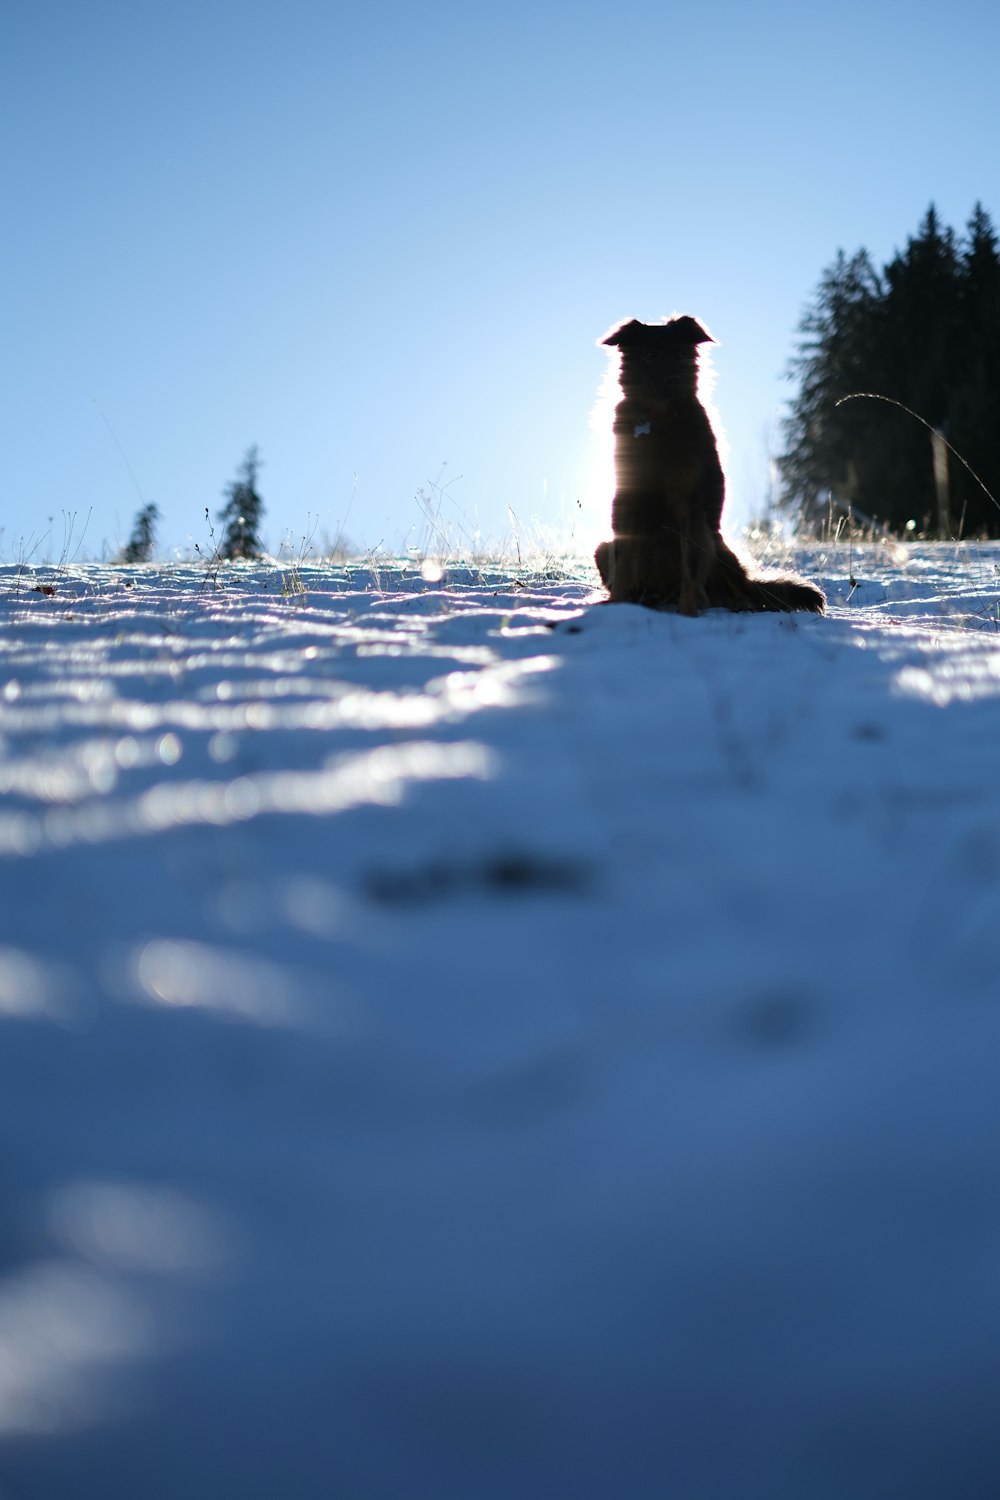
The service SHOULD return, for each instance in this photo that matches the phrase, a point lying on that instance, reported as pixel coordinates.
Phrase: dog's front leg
(697, 556)
(689, 601)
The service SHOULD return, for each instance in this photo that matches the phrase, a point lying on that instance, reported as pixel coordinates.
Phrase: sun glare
(599, 485)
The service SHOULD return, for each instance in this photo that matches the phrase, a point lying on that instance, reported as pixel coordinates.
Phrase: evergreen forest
(924, 332)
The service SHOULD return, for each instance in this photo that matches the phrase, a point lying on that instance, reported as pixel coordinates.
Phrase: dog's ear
(623, 333)
(688, 330)
(682, 330)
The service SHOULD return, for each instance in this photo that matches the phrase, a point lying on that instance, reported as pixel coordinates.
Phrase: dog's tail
(785, 593)
(737, 589)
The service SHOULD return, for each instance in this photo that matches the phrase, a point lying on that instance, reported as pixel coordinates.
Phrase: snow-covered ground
(458, 1041)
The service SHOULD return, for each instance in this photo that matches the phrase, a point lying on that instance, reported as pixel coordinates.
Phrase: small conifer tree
(243, 511)
(140, 545)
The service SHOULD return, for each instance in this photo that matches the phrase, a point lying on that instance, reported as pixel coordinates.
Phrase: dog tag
(642, 429)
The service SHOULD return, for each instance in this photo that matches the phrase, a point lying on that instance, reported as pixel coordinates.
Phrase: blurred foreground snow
(458, 1041)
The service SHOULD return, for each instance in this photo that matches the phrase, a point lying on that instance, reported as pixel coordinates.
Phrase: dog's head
(658, 358)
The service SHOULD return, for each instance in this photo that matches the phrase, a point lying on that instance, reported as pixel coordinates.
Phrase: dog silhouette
(667, 549)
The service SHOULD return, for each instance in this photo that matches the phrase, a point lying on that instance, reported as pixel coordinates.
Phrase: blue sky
(379, 241)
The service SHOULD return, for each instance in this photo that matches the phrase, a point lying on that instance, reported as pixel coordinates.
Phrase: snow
(461, 1040)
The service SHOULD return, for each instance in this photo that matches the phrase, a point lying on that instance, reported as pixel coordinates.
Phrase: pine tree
(918, 357)
(140, 545)
(823, 440)
(243, 511)
(980, 262)
(974, 429)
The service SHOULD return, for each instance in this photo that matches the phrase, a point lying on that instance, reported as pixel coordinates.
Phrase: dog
(667, 550)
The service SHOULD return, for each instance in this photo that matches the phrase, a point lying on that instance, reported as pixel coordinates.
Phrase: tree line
(924, 332)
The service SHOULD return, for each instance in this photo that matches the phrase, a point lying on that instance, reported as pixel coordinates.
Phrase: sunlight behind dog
(600, 480)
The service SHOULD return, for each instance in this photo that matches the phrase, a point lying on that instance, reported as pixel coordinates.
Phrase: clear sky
(376, 240)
